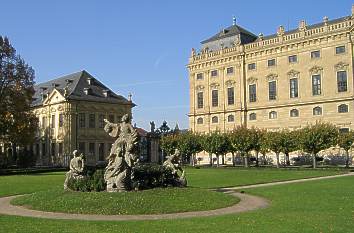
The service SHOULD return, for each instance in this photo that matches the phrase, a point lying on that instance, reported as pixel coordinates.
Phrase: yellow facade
(67, 124)
(324, 58)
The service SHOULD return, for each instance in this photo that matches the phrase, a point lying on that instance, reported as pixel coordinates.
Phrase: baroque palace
(71, 112)
(284, 80)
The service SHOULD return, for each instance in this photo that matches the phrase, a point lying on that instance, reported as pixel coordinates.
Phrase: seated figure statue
(173, 163)
(77, 165)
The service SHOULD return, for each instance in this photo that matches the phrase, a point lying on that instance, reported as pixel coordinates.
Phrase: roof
(141, 132)
(233, 30)
(312, 26)
(73, 86)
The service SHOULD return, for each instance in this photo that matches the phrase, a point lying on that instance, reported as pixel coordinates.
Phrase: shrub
(91, 181)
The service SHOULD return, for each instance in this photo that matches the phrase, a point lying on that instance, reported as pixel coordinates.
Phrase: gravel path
(247, 203)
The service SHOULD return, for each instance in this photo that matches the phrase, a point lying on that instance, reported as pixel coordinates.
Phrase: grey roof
(246, 36)
(316, 25)
(75, 84)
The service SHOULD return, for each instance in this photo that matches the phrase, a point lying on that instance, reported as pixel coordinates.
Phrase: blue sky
(141, 47)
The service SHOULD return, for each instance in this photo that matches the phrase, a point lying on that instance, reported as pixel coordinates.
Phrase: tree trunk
(233, 159)
(314, 162)
(287, 159)
(277, 155)
(217, 161)
(347, 159)
(257, 161)
(211, 159)
(246, 160)
(223, 159)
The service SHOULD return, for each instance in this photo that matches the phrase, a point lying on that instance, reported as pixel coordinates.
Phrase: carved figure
(173, 163)
(122, 157)
(77, 165)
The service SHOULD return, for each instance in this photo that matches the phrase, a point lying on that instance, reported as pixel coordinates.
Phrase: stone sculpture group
(122, 159)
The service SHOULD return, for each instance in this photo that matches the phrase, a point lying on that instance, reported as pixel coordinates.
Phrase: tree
(17, 123)
(241, 140)
(189, 144)
(258, 139)
(275, 142)
(169, 143)
(289, 143)
(216, 143)
(317, 137)
(345, 141)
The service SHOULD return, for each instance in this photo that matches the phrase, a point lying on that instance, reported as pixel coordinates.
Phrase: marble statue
(173, 163)
(77, 165)
(122, 157)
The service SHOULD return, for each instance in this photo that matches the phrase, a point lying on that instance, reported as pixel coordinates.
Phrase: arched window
(214, 119)
(200, 121)
(294, 113)
(230, 118)
(252, 116)
(343, 108)
(317, 111)
(273, 115)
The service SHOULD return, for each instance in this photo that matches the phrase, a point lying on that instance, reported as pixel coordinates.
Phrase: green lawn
(314, 206)
(153, 201)
(228, 177)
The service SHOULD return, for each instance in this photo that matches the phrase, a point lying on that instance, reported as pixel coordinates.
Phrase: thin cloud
(158, 61)
(144, 83)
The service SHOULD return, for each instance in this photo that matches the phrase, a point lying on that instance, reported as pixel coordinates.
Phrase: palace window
(44, 122)
(91, 148)
(317, 111)
(230, 118)
(344, 130)
(214, 119)
(294, 113)
(315, 54)
(293, 59)
(111, 118)
(101, 151)
(343, 108)
(200, 121)
(230, 70)
(61, 120)
(316, 84)
(252, 66)
(342, 81)
(252, 92)
(214, 73)
(294, 88)
(214, 98)
(200, 100)
(230, 96)
(271, 62)
(100, 121)
(53, 122)
(200, 76)
(92, 120)
(82, 147)
(340, 49)
(60, 148)
(253, 117)
(272, 87)
(273, 115)
(82, 120)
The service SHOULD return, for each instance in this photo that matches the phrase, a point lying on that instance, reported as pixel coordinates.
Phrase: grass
(154, 201)
(314, 206)
(229, 177)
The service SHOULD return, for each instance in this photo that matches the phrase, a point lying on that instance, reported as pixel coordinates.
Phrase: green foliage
(169, 143)
(242, 140)
(91, 181)
(216, 143)
(189, 143)
(147, 176)
(17, 123)
(345, 141)
(317, 137)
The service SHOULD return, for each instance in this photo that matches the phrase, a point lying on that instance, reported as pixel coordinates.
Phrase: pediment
(54, 97)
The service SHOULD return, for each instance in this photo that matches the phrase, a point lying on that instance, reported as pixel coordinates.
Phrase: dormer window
(87, 91)
(44, 96)
(106, 93)
(68, 81)
(90, 81)
(55, 85)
